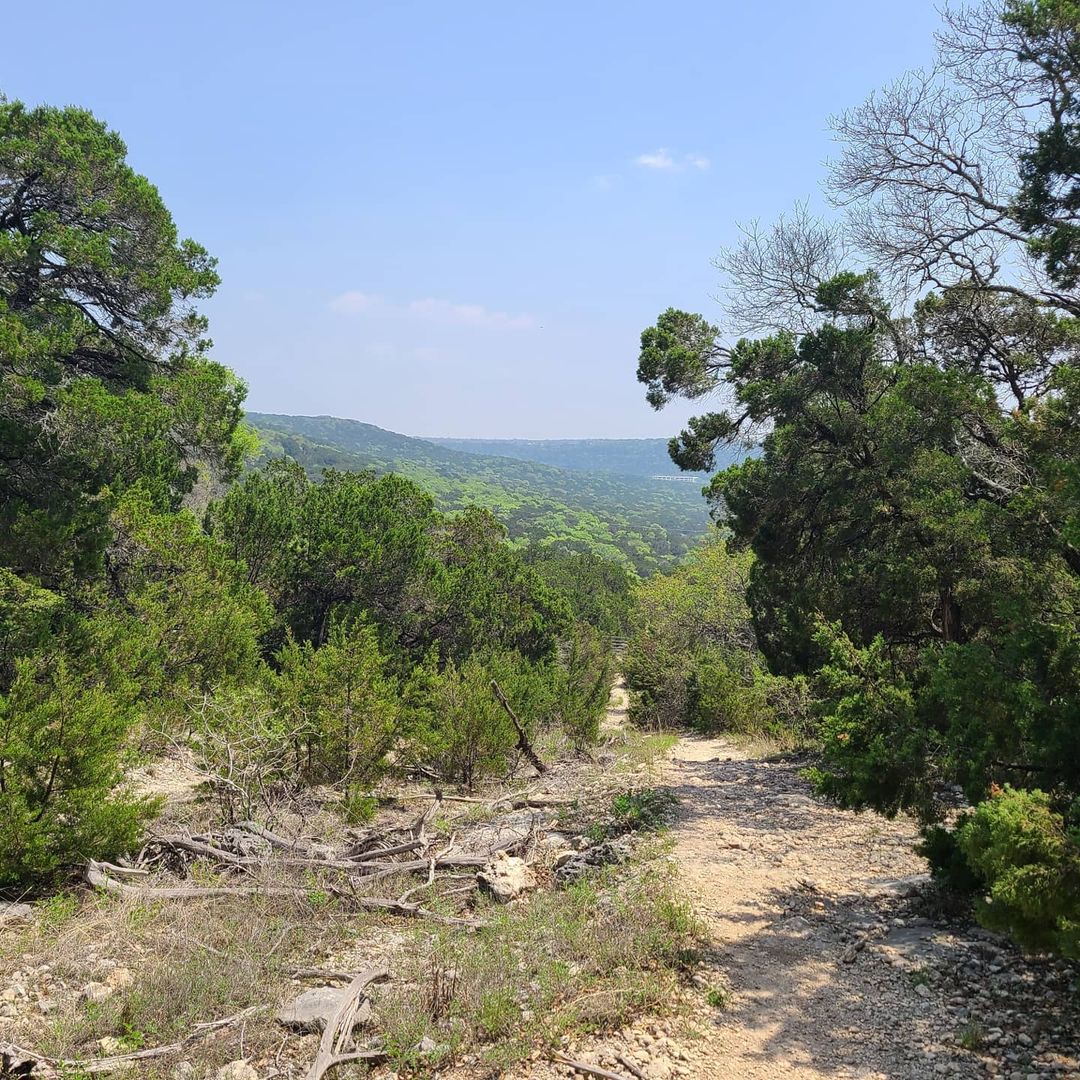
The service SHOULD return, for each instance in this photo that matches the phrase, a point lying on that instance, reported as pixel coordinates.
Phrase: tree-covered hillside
(630, 457)
(643, 522)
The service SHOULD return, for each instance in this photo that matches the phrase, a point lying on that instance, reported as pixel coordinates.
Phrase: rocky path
(826, 959)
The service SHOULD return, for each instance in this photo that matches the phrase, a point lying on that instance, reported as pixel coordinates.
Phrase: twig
(523, 740)
(62, 1066)
(592, 1070)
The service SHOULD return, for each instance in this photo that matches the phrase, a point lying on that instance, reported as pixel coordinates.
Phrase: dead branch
(271, 838)
(381, 853)
(64, 1066)
(630, 1067)
(416, 911)
(97, 877)
(100, 880)
(197, 847)
(124, 871)
(515, 802)
(584, 1067)
(340, 1027)
(523, 740)
(320, 973)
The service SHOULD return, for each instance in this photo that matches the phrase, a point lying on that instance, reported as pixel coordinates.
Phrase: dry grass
(190, 962)
(584, 958)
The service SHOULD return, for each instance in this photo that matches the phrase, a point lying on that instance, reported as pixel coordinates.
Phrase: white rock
(237, 1070)
(312, 1010)
(12, 911)
(506, 877)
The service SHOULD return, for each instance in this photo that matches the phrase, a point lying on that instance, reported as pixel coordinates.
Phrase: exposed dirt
(825, 963)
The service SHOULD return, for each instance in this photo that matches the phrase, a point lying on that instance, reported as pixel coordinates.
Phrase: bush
(61, 770)
(459, 729)
(581, 684)
(339, 703)
(1028, 857)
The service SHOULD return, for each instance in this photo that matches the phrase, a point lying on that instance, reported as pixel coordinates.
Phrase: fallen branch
(398, 907)
(381, 853)
(630, 1067)
(197, 847)
(66, 1066)
(97, 877)
(340, 1027)
(584, 1067)
(271, 838)
(523, 740)
(515, 802)
(320, 973)
(100, 880)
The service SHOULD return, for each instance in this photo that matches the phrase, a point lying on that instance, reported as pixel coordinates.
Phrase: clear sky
(456, 217)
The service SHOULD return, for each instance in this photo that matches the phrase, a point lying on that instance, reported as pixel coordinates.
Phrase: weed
(919, 977)
(643, 748)
(57, 910)
(359, 808)
(971, 1036)
(584, 958)
(646, 810)
(719, 997)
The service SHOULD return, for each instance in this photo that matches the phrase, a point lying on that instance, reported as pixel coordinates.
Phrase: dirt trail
(823, 962)
(786, 885)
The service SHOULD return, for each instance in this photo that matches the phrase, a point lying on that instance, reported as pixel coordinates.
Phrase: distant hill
(644, 522)
(630, 457)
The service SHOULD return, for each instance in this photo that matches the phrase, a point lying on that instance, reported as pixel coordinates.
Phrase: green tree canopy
(104, 383)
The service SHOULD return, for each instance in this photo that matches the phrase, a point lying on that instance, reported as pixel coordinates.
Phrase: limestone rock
(240, 1069)
(95, 991)
(11, 911)
(312, 1010)
(506, 877)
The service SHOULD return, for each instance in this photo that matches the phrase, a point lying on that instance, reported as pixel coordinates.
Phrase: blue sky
(456, 218)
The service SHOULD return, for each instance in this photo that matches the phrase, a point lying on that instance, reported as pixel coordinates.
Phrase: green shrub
(338, 702)
(582, 681)
(458, 727)
(61, 769)
(1028, 856)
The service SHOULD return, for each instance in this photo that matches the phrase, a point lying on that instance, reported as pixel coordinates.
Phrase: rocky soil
(826, 954)
(829, 959)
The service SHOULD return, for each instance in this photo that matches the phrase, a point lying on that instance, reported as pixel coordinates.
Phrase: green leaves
(678, 357)
(102, 379)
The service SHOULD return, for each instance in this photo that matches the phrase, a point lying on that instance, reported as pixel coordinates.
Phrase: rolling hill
(644, 520)
(630, 457)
